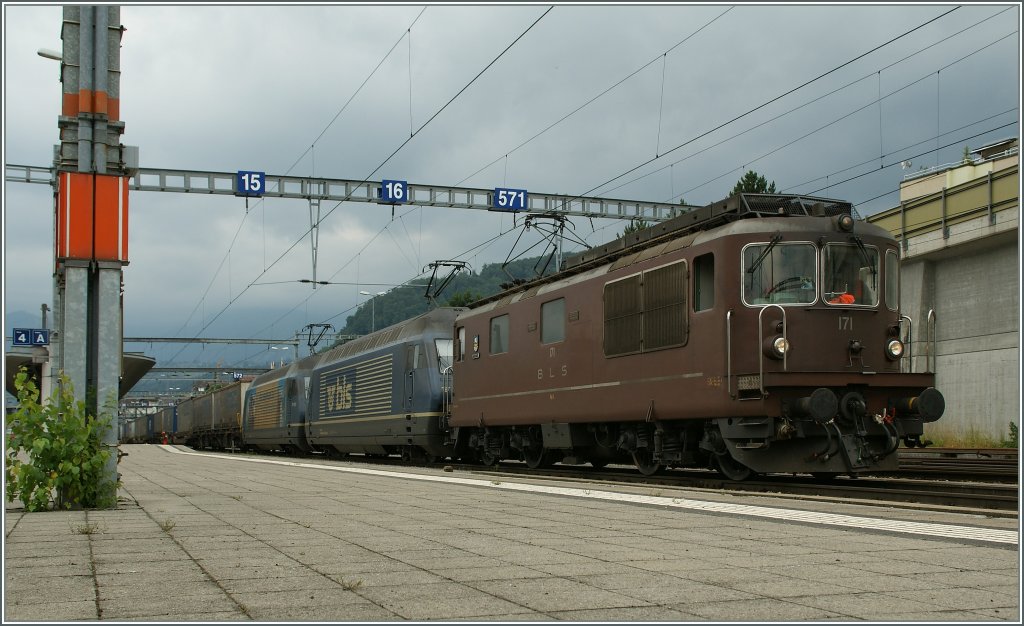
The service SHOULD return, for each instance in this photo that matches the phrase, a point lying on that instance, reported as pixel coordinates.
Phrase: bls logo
(339, 395)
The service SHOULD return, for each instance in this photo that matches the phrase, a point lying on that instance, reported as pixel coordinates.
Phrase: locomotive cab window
(552, 321)
(414, 357)
(444, 353)
(499, 334)
(892, 280)
(779, 273)
(851, 274)
(461, 342)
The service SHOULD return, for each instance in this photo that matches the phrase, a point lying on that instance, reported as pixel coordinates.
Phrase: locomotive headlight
(894, 349)
(845, 223)
(777, 348)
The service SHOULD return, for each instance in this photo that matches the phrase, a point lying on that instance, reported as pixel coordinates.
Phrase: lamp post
(282, 356)
(373, 307)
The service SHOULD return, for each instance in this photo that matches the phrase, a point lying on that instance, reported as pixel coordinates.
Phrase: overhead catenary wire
(819, 98)
(841, 118)
(901, 149)
(593, 99)
(764, 104)
(916, 156)
(788, 188)
(292, 167)
(378, 167)
(407, 213)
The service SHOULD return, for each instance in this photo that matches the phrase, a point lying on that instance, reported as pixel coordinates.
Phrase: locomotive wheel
(488, 459)
(536, 457)
(644, 461)
(731, 468)
(599, 463)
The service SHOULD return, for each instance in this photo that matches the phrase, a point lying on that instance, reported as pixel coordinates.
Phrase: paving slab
(220, 537)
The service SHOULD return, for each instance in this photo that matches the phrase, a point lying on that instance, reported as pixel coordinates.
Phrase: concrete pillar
(917, 297)
(90, 217)
(109, 351)
(72, 319)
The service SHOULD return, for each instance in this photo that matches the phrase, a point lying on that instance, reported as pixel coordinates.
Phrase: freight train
(759, 334)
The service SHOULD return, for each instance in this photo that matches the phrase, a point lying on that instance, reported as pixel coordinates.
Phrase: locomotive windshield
(779, 273)
(851, 274)
(444, 353)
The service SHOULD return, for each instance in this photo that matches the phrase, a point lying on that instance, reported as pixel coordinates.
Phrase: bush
(1012, 441)
(64, 448)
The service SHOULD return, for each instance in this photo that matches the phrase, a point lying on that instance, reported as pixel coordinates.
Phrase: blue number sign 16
(510, 199)
(394, 191)
(250, 183)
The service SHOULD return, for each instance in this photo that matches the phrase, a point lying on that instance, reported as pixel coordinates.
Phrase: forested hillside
(402, 303)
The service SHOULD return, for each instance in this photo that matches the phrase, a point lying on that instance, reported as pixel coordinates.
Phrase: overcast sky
(228, 88)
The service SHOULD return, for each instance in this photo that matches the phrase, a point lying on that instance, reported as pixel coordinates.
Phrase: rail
(982, 463)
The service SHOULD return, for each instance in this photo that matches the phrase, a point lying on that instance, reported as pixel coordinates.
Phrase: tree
(463, 298)
(967, 156)
(635, 224)
(751, 182)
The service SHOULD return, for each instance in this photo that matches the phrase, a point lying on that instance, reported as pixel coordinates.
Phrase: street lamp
(280, 348)
(373, 312)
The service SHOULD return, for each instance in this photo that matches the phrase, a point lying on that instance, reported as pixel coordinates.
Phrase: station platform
(214, 537)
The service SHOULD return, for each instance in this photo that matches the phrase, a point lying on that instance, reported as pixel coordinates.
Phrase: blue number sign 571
(510, 199)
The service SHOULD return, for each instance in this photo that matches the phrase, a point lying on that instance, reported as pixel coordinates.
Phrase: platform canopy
(134, 367)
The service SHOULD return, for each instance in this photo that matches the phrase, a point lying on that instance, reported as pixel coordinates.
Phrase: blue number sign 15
(250, 183)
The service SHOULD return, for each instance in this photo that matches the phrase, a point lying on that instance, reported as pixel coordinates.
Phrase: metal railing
(930, 356)
(908, 362)
(728, 353)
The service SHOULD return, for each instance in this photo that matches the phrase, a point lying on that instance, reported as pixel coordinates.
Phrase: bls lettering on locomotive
(338, 393)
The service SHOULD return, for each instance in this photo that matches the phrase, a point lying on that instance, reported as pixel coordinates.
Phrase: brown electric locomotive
(758, 334)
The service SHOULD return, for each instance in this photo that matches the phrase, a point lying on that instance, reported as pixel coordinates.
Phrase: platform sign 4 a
(31, 337)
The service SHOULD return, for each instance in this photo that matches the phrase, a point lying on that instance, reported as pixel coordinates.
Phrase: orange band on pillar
(75, 216)
(113, 109)
(111, 213)
(99, 103)
(85, 101)
(70, 105)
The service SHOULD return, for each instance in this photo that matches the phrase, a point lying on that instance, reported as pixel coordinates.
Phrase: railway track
(998, 499)
(976, 463)
(951, 490)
